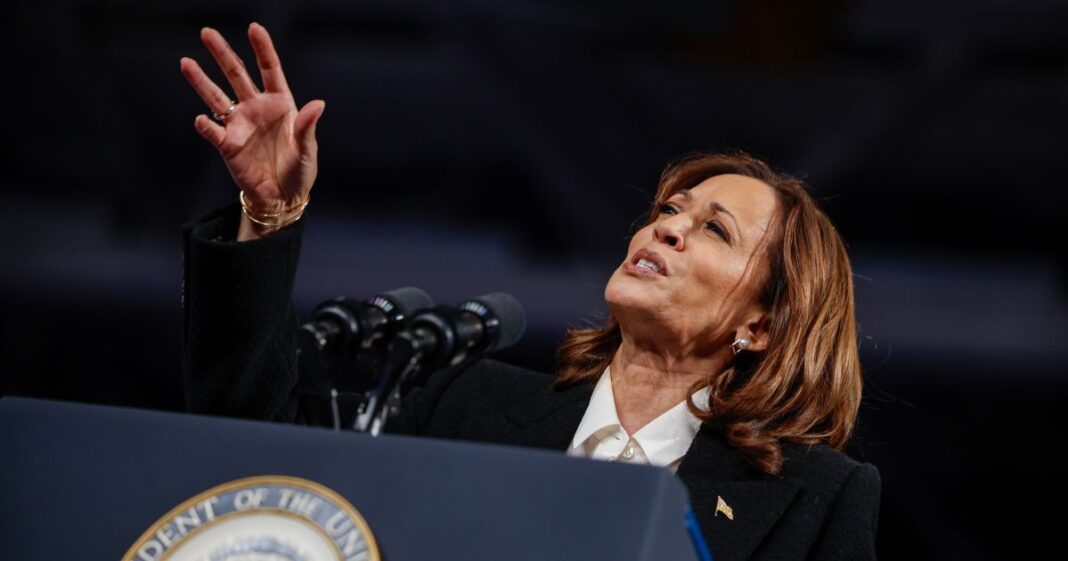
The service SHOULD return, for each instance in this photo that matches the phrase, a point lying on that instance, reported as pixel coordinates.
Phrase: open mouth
(646, 260)
(646, 264)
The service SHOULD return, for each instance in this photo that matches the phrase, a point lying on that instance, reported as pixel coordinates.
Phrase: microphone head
(503, 315)
(401, 303)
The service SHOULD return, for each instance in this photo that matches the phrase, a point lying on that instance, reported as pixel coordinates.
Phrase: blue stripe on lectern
(698, 539)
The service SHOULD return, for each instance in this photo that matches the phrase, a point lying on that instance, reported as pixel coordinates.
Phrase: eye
(667, 208)
(718, 229)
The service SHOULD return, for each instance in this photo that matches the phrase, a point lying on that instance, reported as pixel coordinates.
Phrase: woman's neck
(646, 381)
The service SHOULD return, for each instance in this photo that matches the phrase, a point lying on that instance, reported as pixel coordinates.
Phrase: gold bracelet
(248, 206)
(284, 218)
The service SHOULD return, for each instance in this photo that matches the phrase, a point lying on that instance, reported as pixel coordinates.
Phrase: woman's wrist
(248, 230)
(259, 221)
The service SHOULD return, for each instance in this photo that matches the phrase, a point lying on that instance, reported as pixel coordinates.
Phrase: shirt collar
(664, 440)
(668, 437)
(600, 413)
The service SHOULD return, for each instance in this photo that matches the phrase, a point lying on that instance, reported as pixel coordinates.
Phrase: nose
(672, 231)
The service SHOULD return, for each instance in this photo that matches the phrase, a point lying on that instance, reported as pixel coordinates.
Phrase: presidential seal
(275, 518)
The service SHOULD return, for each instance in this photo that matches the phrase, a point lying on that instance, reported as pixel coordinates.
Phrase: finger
(210, 130)
(267, 58)
(304, 126)
(230, 63)
(217, 100)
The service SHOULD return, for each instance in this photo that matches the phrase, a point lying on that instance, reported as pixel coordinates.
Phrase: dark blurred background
(470, 147)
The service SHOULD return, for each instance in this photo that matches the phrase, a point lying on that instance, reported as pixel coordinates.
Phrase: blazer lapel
(736, 505)
(715, 473)
(549, 419)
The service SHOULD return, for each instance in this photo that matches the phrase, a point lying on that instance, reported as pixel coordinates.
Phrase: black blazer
(240, 353)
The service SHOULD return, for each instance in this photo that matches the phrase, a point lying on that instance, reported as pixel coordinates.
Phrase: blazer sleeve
(240, 324)
(241, 332)
(849, 533)
(240, 351)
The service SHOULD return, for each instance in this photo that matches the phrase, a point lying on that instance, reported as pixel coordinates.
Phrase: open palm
(268, 145)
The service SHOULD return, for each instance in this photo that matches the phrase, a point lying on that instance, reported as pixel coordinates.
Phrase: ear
(757, 329)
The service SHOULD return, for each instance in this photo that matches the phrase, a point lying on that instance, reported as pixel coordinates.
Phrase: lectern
(88, 482)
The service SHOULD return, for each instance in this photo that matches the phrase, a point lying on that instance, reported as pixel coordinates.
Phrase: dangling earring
(740, 345)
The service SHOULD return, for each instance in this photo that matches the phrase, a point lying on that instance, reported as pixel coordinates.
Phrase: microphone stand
(401, 363)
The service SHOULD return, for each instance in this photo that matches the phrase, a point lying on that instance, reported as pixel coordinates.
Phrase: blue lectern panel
(83, 482)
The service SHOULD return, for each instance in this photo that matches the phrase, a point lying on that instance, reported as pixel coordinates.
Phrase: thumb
(304, 125)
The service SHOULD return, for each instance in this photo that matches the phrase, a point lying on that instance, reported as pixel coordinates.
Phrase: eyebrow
(716, 207)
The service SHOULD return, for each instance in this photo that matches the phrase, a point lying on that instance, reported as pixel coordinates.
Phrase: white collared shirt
(662, 442)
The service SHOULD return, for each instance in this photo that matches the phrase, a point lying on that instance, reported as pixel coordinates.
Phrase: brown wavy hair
(806, 386)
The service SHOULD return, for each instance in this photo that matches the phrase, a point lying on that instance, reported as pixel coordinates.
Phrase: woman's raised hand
(268, 145)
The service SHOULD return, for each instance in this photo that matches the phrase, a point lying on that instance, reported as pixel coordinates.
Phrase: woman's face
(689, 275)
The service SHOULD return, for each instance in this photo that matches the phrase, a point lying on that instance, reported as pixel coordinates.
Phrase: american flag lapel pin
(721, 506)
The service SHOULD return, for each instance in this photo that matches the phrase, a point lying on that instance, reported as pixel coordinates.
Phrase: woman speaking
(730, 356)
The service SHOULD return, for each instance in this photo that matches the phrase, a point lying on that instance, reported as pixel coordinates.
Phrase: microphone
(345, 326)
(442, 335)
